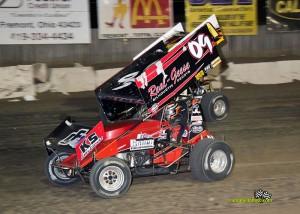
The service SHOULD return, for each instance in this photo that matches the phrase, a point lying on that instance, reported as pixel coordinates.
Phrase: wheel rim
(59, 173)
(111, 178)
(218, 161)
(219, 107)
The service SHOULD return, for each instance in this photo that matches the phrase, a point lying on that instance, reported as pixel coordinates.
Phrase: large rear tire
(110, 178)
(211, 160)
(57, 175)
(215, 106)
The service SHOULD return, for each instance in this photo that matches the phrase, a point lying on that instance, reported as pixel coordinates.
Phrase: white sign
(44, 22)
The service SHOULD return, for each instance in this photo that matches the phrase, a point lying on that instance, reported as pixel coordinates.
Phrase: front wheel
(211, 160)
(110, 178)
(57, 175)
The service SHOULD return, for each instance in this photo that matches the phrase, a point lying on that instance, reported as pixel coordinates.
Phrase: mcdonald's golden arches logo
(150, 13)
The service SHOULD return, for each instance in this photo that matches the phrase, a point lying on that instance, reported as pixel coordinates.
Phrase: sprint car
(153, 115)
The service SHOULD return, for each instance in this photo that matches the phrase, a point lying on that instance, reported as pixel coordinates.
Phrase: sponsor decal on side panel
(143, 141)
(207, 68)
(136, 144)
(196, 109)
(197, 129)
(196, 118)
(90, 141)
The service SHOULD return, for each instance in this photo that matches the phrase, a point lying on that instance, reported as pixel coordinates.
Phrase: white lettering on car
(196, 47)
(126, 81)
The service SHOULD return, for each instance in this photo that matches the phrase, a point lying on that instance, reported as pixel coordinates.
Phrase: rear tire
(211, 160)
(110, 178)
(215, 106)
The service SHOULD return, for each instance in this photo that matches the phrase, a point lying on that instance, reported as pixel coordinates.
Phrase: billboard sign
(235, 17)
(44, 22)
(283, 16)
(134, 18)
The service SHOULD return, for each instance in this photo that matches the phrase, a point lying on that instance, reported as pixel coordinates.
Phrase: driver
(177, 114)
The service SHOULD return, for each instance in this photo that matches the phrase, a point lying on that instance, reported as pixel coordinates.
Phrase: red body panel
(149, 127)
(168, 155)
(69, 162)
(116, 129)
(94, 137)
(111, 145)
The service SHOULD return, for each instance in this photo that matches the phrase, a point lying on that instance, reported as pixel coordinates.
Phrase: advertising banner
(134, 18)
(283, 16)
(44, 22)
(236, 17)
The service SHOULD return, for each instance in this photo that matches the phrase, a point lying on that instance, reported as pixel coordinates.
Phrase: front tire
(211, 160)
(110, 178)
(215, 106)
(56, 175)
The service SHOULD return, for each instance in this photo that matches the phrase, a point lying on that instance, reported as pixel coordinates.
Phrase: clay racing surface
(262, 127)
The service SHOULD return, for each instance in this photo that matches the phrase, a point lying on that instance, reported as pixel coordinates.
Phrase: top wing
(190, 59)
(119, 97)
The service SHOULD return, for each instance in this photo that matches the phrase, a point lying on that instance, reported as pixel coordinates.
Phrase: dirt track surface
(262, 127)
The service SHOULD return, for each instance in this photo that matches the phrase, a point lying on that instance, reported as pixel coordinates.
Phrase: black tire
(110, 178)
(56, 175)
(211, 160)
(215, 106)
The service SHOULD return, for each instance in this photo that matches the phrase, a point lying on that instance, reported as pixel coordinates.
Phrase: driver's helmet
(171, 110)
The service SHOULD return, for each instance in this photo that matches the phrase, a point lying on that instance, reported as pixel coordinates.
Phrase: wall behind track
(265, 44)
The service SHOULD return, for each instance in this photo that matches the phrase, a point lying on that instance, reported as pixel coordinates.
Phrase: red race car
(153, 115)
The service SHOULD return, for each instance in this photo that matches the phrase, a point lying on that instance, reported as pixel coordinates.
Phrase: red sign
(150, 14)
